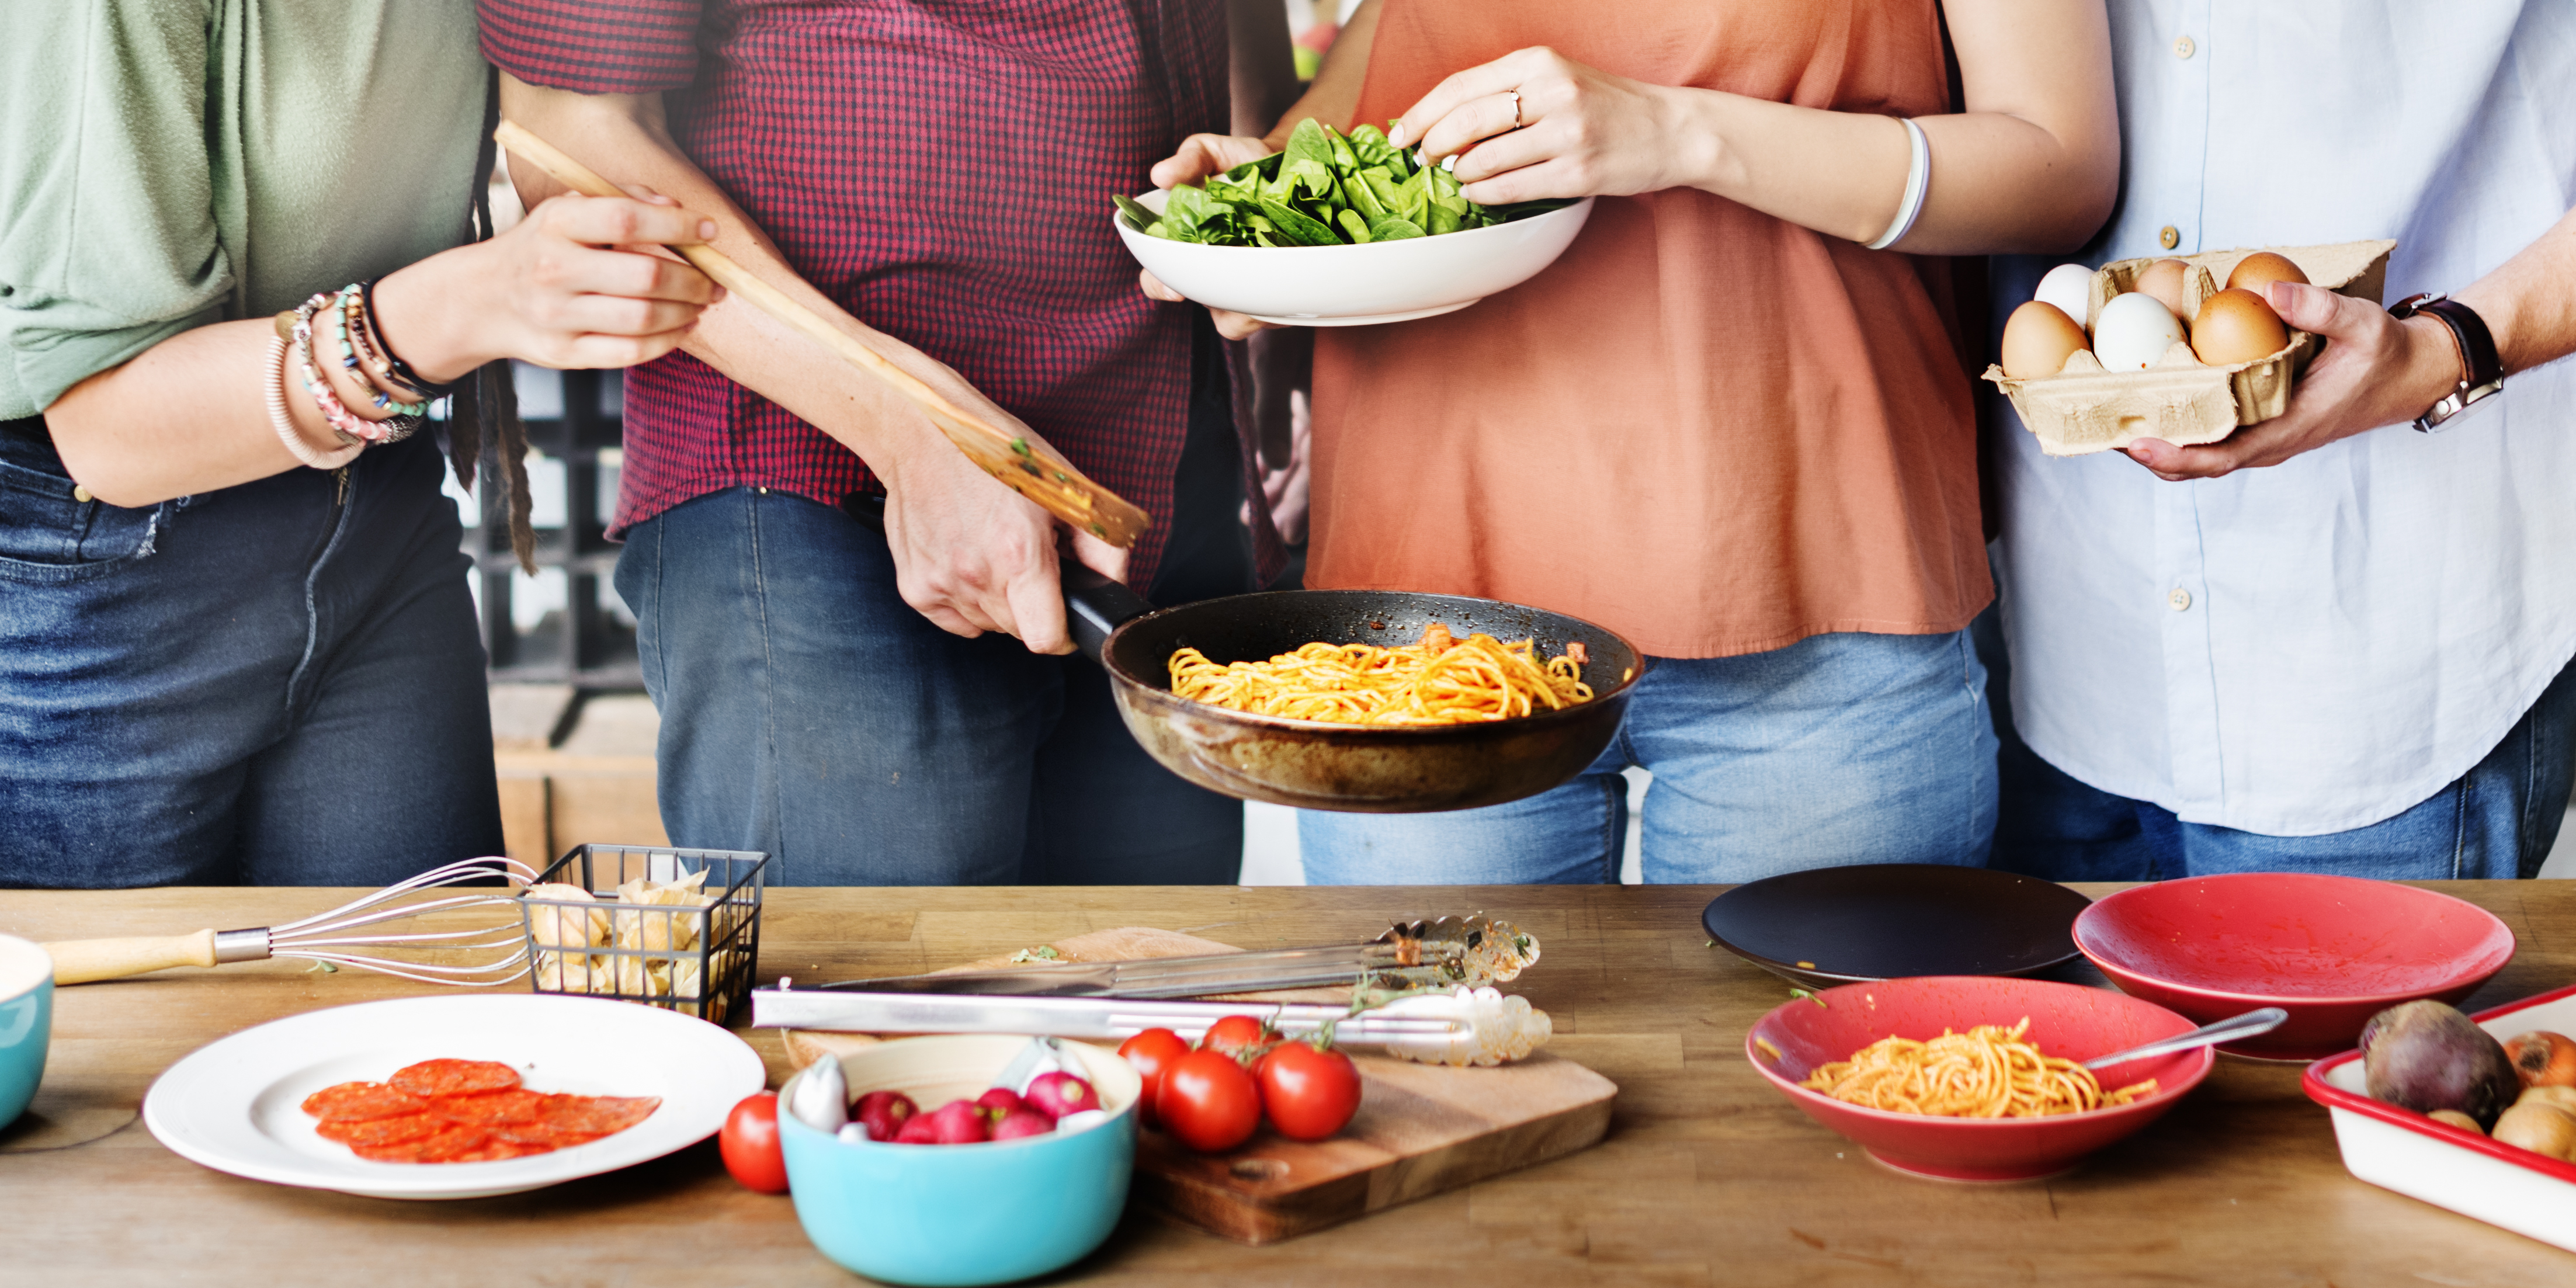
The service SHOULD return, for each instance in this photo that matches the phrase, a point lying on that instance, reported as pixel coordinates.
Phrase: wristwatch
(2482, 372)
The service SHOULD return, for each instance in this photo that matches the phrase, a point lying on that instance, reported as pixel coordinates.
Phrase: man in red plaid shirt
(934, 176)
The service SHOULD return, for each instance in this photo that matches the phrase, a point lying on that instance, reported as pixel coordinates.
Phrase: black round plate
(1877, 921)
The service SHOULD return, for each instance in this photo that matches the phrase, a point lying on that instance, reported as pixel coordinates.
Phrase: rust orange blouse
(1708, 429)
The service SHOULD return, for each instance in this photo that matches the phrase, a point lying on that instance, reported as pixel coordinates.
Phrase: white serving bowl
(1394, 281)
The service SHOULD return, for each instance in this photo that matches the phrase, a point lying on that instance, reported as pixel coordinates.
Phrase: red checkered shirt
(941, 169)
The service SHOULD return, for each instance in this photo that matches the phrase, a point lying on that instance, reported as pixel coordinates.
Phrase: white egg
(2069, 287)
(2133, 331)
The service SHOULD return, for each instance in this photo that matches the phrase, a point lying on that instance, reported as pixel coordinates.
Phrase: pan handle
(1094, 606)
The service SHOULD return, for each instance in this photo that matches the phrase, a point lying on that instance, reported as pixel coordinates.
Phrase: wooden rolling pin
(1041, 476)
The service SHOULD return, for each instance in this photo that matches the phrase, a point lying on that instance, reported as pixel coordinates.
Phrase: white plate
(1364, 285)
(236, 1105)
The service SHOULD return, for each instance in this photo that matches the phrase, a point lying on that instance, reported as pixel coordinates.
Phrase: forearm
(623, 137)
(1999, 183)
(2529, 302)
(188, 415)
(1334, 97)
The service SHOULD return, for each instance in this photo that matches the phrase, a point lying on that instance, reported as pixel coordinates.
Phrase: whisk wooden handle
(79, 961)
(1053, 484)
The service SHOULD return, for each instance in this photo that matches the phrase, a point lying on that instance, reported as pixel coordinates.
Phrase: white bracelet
(1918, 180)
(283, 420)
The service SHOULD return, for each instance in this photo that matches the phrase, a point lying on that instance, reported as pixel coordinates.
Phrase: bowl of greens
(1341, 230)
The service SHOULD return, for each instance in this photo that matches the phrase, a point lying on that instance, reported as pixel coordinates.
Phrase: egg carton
(2085, 409)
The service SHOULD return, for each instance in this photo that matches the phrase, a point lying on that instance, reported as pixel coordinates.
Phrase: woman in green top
(218, 665)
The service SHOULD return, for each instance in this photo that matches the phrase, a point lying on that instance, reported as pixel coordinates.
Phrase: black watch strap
(2482, 371)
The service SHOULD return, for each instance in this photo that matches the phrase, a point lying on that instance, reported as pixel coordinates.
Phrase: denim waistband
(27, 443)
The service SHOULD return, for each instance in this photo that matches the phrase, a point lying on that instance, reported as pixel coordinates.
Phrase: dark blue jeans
(808, 712)
(265, 685)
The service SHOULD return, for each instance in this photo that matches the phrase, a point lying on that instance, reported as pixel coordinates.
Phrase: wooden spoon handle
(1051, 482)
(78, 961)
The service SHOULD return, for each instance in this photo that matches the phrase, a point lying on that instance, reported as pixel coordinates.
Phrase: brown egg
(2038, 338)
(2261, 269)
(2235, 325)
(2164, 280)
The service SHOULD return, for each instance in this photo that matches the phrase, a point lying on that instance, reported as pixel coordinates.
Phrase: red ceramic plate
(2332, 951)
(2065, 1020)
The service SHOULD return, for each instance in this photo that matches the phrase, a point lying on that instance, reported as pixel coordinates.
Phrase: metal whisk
(324, 937)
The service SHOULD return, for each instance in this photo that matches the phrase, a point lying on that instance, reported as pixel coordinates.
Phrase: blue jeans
(1838, 749)
(2497, 821)
(810, 713)
(264, 685)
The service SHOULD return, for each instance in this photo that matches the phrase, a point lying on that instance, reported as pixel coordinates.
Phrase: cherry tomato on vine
(1208, 1101)
(1151, 1054)
(1236, 1035)
(1310, 1094)
(749, 1144)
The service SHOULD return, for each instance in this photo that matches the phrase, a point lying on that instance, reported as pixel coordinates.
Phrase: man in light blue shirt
(2330, 642)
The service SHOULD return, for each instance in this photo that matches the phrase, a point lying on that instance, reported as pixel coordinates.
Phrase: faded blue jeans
(810, 713)
(267, 685)
(1838, 749)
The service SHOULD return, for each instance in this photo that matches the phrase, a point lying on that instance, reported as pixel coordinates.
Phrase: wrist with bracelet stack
(367, 361)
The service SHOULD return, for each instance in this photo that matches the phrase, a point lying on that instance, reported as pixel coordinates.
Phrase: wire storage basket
(667, 927)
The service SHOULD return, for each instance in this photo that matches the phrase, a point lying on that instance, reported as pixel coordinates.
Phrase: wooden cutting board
(1421, 1129)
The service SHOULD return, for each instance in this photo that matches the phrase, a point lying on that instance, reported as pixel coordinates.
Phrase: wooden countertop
(1708, 1176)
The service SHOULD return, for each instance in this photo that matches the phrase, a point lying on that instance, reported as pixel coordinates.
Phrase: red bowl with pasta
(2066, 1020)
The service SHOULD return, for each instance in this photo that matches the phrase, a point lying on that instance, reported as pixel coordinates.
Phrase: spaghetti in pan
(1440, 680)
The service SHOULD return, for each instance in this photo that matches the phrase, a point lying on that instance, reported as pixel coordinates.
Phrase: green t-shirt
(169, 163)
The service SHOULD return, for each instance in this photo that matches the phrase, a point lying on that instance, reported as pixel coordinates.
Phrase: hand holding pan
(1311, 764)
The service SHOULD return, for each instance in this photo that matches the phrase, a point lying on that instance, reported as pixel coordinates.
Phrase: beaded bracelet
(349, 332)
(402, 371)
(283, 421)
(337, 414)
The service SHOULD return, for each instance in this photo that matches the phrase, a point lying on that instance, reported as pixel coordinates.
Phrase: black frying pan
(1312, 764)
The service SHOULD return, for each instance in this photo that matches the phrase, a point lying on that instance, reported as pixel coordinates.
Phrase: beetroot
(1058, 1094)
(884, 1113)
(1022, 1122)
(2427, 1055)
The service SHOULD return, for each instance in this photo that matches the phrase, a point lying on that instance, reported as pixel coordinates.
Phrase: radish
(1022, 1122)
(1058, 1094)
(883, 1113)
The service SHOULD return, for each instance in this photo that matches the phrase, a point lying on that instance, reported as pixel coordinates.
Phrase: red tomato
(1208, 1101)
(1309, 1094)
(749, 1144)
(1235, 1035)
(1150, 1053)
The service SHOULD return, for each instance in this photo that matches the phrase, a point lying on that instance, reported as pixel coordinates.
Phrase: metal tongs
(1445, 952)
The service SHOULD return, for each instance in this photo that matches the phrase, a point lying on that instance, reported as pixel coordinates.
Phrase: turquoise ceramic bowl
(962, 1214)
(26, 1022)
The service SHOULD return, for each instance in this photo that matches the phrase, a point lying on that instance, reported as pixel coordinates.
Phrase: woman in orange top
(1728, 423)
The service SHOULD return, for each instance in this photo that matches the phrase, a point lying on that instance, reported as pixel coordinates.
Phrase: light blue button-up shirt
(2320, 645)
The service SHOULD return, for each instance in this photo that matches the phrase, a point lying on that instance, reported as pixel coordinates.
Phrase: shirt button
(2180, 599)
(2183, 48)
(81, 494)
(2169, 237)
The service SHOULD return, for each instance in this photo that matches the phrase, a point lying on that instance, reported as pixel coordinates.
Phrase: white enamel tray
(235, 1104)
(2446, 1166)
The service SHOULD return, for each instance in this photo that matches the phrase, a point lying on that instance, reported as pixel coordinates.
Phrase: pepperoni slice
(382, 1131)
(545, 1134)
(492, 1108)
(360, 1101)
(454, 1077)
(496, 1149)
(442, 1147)
(598, 1115)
